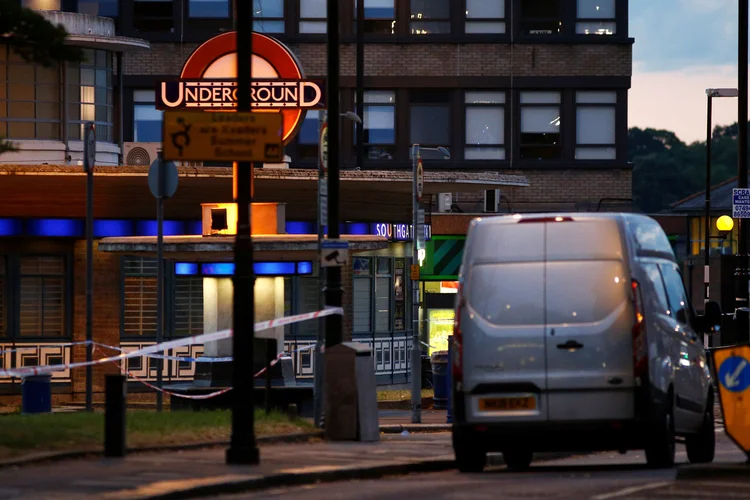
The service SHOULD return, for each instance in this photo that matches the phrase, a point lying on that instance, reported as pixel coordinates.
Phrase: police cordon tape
(164, 346)
(200, 396)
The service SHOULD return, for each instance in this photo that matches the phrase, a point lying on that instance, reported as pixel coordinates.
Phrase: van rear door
(589, 322)
(502, 322)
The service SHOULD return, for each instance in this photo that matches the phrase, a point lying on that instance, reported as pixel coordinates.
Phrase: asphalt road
(600, 476)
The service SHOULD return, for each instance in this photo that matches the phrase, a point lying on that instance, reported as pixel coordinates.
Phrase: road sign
(420, 179)
(89, 146)
(740, 203)
(733, 374)
(414, 272)
(170, 178)
(324, 148)
(334, 253)
(223, 136)
(323, 200)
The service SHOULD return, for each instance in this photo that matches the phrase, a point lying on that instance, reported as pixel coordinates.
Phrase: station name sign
(397, 232)
(222, 94)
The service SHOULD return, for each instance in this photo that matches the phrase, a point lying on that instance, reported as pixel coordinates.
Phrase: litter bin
(440, 379)
(36, 394)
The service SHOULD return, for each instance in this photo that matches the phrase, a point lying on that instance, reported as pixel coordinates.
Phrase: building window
(540, 126)
(29, 99)
(430, 17)
(379, 124)
(153, 15)
(383, 293)
(102, 8)
(484, 16)
(309, 136)
(42, 297)
(430, 117)
(361, 295)
(595, 125)
(138, 297)
(380, 17)
(312, 16)
(541, 17)
(268, 16)
(485, 125)
(208, 8)
(596, 17)
(147, 120)
(90, 96)
(187, 306)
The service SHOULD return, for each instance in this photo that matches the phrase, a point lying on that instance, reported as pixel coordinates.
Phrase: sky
(682, 47)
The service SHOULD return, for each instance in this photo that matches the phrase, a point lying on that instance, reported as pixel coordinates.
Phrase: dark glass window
(540, 126)
(541, 17)
(379, 124)
(153, 15)
(209, 8)
(380, 17)
(430, 117)
(430, 17)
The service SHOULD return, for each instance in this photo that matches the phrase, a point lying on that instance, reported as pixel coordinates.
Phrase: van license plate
(507, 404)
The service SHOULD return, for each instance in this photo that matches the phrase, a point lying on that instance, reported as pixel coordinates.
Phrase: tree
(35, 39)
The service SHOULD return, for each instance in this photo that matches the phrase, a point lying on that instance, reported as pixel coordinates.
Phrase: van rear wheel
(660, 452)
(701, 446)
(469, 457)
(518, 459)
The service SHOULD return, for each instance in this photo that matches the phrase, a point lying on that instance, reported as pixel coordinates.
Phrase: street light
(322, 201)
(417, 233)
(710, 94)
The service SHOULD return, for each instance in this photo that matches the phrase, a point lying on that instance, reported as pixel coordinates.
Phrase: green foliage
(666, 170)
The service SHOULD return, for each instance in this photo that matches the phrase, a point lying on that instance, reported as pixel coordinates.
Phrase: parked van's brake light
(640, 364)
(457, 361)
(558, 218)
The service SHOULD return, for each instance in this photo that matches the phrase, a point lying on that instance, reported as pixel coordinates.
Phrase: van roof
(647, 236)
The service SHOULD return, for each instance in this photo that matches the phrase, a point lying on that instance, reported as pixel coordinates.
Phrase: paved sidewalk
(175, 474)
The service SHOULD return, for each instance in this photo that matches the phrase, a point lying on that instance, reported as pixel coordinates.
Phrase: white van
(574, 332)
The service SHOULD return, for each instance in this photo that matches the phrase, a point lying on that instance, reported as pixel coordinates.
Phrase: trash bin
(449, 413)
(440, 379)
(36, 394)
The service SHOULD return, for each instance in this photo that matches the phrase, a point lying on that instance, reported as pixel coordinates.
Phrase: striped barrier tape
(202, 396)
(196, 339)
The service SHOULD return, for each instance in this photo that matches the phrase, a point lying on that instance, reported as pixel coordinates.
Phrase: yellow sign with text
(414, 272)
(732, 368)
(225, 137)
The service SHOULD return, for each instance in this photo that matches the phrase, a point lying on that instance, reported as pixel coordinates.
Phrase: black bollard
(114, 416)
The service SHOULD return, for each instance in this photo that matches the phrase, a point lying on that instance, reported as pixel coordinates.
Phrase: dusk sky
(681, 48)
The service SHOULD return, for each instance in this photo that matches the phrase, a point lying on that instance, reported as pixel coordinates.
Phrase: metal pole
(416, 350)
(333, 290)
(707, 226)
(243, 448)
(742, 56)
(320, 342)
(160, 278)
(360, 82)
(89, 285)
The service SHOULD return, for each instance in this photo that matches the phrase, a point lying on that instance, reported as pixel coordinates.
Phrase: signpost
(240, 136)
(89, 159)
(322, 218)
(733, 377)
(741, 203)
(420, 179)
(162, 181)
(416, 351)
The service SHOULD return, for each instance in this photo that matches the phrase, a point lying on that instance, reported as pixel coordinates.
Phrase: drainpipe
(120, 92)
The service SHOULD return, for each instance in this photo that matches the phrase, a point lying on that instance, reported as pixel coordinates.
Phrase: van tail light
(640, 361)
(458, 352)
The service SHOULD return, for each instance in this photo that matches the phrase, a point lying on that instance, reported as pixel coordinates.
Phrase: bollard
(114, 416)
(292, 412)
(449, 413)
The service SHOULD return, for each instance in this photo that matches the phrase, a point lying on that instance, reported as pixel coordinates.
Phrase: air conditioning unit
(492, 200)
(445, 200)
(144, 154)
(140, 153)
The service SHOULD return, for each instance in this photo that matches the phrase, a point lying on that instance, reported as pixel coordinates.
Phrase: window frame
(300, 19)
(467, 21)
(390, 148)
(108, 104)
(614, 106)
(690, 313)
(137, 103)
(518, 117)
(583, 20)
(190, 16)
(569, 19)
(444, 21)
(451, 123)
(466, 106)
(285, 16)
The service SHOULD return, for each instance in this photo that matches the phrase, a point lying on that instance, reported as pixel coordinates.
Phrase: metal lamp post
(710, 94)
(416, 351)
(741, 273)
(322, 217)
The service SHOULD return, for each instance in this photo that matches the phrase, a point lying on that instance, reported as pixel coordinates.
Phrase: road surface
(600, 476)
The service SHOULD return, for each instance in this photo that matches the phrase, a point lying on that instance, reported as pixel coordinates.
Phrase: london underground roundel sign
(209, 81)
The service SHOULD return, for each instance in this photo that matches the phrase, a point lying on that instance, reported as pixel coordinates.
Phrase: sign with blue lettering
(734, 374)
(740, 203)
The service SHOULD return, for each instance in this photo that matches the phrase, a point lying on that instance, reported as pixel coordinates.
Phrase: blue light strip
(227, 268)
(111, 228)
(149, 228)
(11, 227)
(68, 228)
